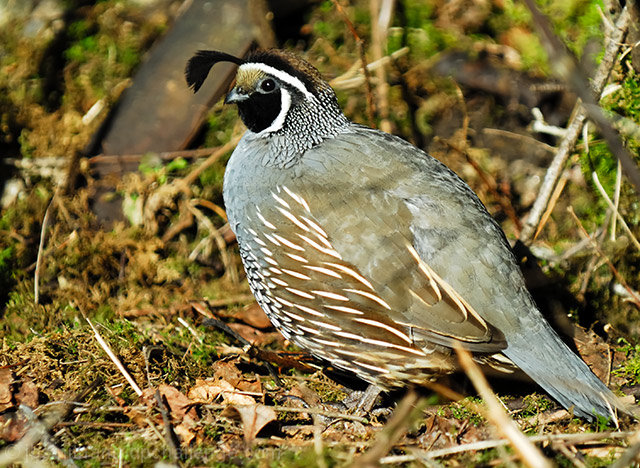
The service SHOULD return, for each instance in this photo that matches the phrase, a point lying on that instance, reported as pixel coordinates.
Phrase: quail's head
(275, 91)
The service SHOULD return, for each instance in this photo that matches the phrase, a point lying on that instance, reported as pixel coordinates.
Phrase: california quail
(368, 252)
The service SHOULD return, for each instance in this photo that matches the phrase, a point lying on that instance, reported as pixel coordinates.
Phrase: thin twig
(217, 154)
(557, 191)
(392, 432)
(529, 453)
(107, 349)
(616, 213)
(573, 130)
(319, 412)
(574, 439)
(363, 60)
(616, 200)
(632, 293)
(567, 67)
(170, 437)
(35, 433)
(380, 18)
(43, 234)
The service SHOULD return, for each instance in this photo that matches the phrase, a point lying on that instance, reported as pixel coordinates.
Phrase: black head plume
(199, 65)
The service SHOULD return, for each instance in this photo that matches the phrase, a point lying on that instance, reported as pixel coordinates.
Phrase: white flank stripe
(296, 274)
(317, 246)
(373, 297)
(347, 310)
(288, 243)
(266, 251)
(293, 219)
(272, 239)
(325, 325)
(297, 258)
(282, 301)
(312, 331)
(297, 198)
(297, 292)
(330, 295)
(279, 282)
(351, 272)
(334, 344)
(309, 310)
(275, 270)
(384, 326)
(280, 200)
(265, 222)
(323, 270)
(294, 316)
(369, 366)
(259, 241)
(382, 344)
(315, 226)
(271, 261)
(252, 232)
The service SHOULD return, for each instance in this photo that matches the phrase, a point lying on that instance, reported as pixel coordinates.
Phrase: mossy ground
(134, 281)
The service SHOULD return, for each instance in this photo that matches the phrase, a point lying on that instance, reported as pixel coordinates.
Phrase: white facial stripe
(285, 104)
(282, 76)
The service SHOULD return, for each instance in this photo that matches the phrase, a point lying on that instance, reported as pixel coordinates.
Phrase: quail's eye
(267, 85)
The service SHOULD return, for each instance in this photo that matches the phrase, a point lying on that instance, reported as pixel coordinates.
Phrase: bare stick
(574, 128)
(107, 349)
(43, 234)
(380, 19)
(573, 439)
(567, 67)
(529, 453)
(217, 154)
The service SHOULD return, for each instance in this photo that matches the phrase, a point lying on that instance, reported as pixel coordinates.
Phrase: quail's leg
(361, 403)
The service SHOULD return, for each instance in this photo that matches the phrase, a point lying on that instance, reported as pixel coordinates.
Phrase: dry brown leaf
(13, 425)
(254, 418)
(253, 315)
(28, 394)
(209, 390)
(6, 379)
(179, 404)
(255, 336)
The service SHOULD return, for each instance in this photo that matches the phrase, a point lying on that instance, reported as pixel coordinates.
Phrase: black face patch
(260, 110)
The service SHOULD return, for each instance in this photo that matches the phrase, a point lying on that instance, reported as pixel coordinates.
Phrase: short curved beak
(235, 96)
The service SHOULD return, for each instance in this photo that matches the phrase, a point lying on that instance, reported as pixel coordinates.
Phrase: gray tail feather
(552, 365)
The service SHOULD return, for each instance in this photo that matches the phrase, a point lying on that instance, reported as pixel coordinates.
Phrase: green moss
(630, 368)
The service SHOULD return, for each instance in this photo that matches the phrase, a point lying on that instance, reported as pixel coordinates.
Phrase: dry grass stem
(567, 67)
(217, 154)
(555, 196)
(43, 234)
(353, 77)
(632, 294)
(391, 433)
(107, 349)
(574, 128)
(529, 453)
(614, 210)
(573, 439)
(380, 20)
(363, 61)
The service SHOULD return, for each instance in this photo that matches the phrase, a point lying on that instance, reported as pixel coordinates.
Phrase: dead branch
(574, 128)
(529, 453)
